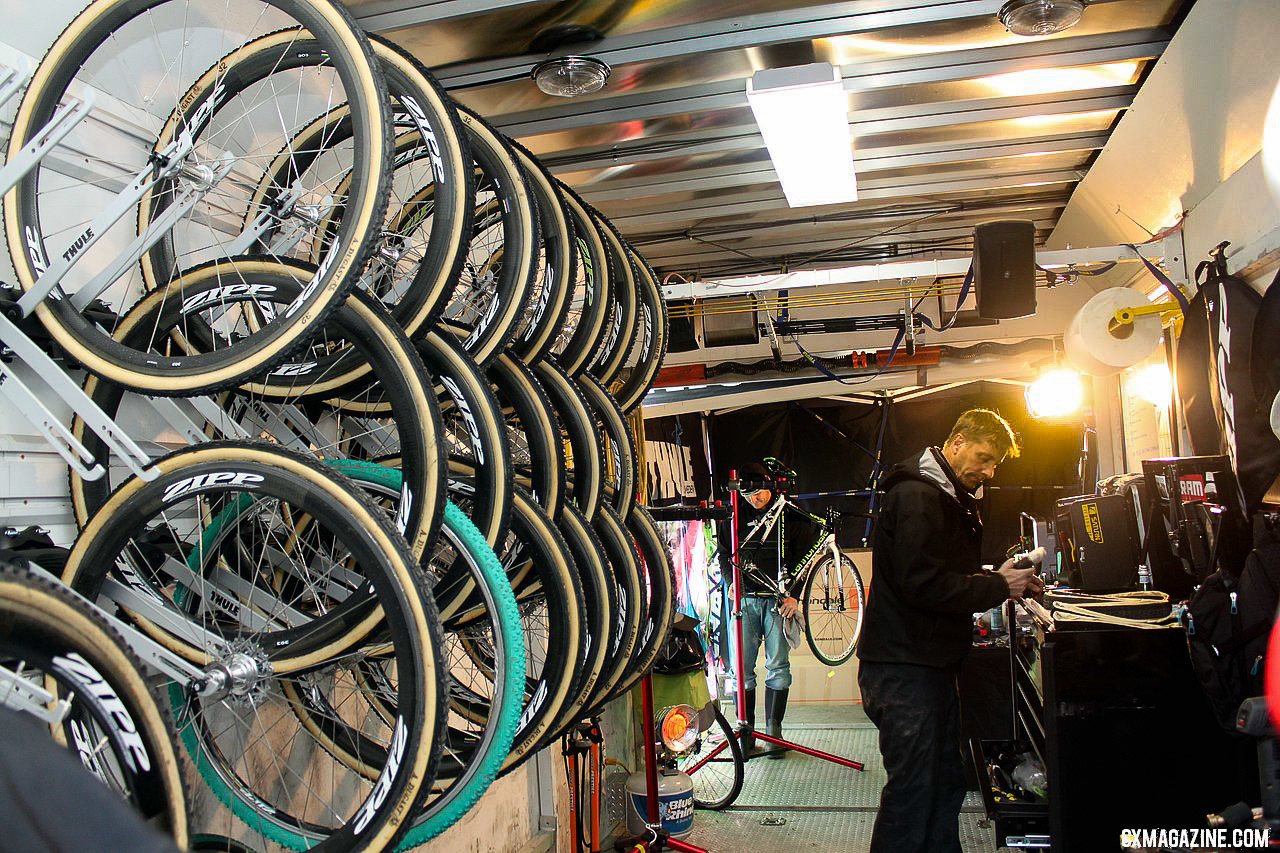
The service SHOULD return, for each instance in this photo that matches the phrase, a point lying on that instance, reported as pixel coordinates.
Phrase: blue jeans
(760, 621)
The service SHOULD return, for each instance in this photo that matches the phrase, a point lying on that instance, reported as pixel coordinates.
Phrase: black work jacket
(926, 577)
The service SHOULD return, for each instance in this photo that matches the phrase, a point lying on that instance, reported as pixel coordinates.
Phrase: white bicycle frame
(764, 526)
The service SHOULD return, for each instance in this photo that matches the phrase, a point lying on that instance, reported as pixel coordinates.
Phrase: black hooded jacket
(926, 577)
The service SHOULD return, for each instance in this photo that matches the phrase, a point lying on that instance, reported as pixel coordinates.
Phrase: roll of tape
(1095, 348)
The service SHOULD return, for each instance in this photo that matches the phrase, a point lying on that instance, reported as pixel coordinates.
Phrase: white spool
(1093, 347)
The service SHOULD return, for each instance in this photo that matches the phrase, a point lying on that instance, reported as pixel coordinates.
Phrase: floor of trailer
(804, 803)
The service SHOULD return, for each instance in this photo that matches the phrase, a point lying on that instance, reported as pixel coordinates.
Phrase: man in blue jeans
(762, 612)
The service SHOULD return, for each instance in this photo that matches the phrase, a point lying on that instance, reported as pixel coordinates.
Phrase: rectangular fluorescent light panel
(803, 114)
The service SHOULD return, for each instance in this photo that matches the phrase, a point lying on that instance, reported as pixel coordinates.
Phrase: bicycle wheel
(557, 263)
(613, 348)
(533, 432)
(272, 571)
(659, 592)
(371, 400)
(620, 550)
(112, 721)
(600, 593)
(589, 300)
(552, 609)
(148, 61)
(641, 365)
(833, 600)
(484, 663)
(715, 766)
(423, 239)
(474, 433)
(619, 446)
(584, 469)
(490, 294)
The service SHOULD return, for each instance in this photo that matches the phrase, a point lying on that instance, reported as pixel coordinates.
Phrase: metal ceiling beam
(747, 174)
(741, 137)
(695, 253)
(627, 218)
(1170, 247)
(734, 33)
(398, 14)
(588, 159)
(786, 227)
(924, 68)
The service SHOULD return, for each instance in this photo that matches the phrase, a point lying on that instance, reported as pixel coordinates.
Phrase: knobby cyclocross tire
(601, 599)
(613, 348)
(368, 597)
(491, 291)
(584, 323)
(557, 263)
(474, 433)
(640, 368)
(659, 585)
(533, 431)
(619, 446)
(584, 469)
(96, 40)
(620, 549)
(114, 723)
(382, 374)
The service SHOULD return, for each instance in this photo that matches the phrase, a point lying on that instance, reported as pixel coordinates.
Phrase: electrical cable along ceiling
(955, 120)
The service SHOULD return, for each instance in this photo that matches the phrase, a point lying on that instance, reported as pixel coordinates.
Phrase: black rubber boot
(748, 741)
(775, 708)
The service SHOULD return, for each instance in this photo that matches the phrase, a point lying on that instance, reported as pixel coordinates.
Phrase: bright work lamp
(679, 727)
(803, 114)
(1152, 383)
(1056, 394)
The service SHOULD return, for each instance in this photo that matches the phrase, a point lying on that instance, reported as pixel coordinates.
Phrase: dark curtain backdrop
(831, 446)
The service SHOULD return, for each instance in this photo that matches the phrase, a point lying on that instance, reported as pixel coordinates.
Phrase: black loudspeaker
(1004, 268)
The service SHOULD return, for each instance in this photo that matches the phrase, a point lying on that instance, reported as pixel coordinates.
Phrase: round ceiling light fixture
(1040, 17)
(571, 76)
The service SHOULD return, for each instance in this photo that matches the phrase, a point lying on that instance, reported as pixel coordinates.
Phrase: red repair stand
(740, 673)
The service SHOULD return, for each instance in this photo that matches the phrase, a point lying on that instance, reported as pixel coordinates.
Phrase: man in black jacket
(926, 584)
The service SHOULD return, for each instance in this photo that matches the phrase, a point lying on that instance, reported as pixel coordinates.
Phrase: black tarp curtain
(831, 444)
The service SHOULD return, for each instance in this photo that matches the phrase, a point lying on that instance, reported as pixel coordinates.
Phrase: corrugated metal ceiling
(955, 120)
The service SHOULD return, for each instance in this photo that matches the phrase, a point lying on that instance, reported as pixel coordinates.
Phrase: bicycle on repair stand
(831, 590)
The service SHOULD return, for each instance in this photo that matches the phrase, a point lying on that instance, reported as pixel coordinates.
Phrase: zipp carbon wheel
(641, 365)
(153, 63)
(659, 590)
(590, 291)
(277, 576)
(366, 395)
(112, 721)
